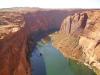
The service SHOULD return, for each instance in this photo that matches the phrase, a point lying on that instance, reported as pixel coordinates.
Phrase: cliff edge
(79, 38)
(19, 30)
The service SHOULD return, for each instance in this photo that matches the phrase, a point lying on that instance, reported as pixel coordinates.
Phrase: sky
(50, 3)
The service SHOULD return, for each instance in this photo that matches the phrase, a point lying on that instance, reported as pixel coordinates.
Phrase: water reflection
(47, 60)
(38, 64)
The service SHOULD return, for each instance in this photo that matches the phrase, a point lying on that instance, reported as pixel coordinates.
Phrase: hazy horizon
(53, 4)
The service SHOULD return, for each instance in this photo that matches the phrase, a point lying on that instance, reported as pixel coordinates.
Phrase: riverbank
(47, 60)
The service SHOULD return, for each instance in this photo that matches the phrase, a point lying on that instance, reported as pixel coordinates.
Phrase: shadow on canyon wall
(15, 47)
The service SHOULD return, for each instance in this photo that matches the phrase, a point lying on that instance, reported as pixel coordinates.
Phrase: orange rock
(17, 27)
(80, 38)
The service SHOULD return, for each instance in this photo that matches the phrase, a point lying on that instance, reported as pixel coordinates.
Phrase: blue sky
(51, 3)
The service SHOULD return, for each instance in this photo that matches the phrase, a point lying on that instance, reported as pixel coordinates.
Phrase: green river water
(54, 63)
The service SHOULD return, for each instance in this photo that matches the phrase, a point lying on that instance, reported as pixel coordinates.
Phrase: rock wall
(79, 38)
(16, 36)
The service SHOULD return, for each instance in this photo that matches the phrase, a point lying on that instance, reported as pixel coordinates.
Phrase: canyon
(79, 38)
(20, 28)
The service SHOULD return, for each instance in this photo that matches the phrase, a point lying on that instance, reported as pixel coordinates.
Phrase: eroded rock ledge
(79, 38)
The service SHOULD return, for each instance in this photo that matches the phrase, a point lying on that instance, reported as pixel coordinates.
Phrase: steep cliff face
(17, 32)
(79, 38)
(12, 45)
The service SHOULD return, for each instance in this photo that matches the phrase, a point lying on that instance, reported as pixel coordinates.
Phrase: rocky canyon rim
(20, 27)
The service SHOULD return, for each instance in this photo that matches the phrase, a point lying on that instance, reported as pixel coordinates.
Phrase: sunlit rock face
(12, 44)
(17, 28)
(79, 38)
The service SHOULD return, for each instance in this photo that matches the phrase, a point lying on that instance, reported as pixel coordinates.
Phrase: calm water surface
(47, 60)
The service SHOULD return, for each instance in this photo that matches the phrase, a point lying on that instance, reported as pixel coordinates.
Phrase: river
(47, 60)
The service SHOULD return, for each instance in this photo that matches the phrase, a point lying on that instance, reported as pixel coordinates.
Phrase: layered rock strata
(79, 38)
(19, 30)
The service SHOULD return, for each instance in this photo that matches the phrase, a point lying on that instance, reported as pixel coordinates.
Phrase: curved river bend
(47, 60)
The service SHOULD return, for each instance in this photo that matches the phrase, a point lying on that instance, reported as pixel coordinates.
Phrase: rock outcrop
(79, 38)
(18, 29)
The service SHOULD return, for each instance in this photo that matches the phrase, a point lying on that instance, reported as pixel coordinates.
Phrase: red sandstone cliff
(79, 38)
(15, 33)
